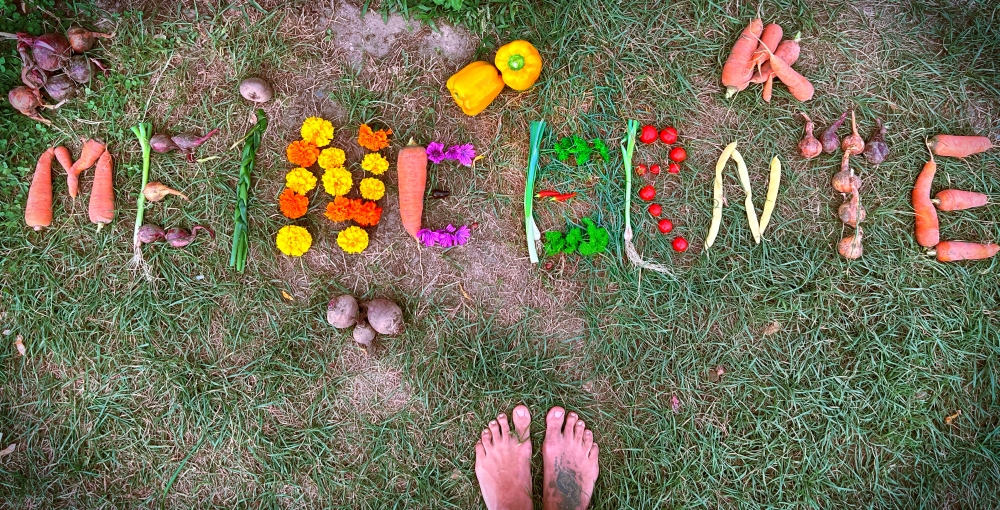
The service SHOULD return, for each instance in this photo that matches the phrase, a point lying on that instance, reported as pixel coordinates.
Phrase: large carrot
(738, 70)
(64, 157)
(102, 197)
(770, 37)
(38, 210)
(788, 50)
(411, 171)
(91, 152)
(959, 146)
(925, 215)
(951, 251)
(797, 84)
(957, 200)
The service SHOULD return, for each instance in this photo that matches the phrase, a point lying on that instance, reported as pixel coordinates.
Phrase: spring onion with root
(241, 236)
(143, 131)
(774, 182)
(713, 231)
(628, 149)
(536, 130)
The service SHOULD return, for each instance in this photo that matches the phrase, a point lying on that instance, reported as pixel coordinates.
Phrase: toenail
(572, 415)
(557, 414)
(521, 412)
(494, 422)
(501, 416)
(580, 423)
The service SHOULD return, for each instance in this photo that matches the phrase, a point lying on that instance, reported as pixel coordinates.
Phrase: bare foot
(503, 462)
(569, 457)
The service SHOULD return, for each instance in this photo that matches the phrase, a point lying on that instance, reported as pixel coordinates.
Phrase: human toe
(504, 424)
(522, 422)
(554, 421)
(578, 430)
(487, 437)
(571, 419)
(480, 450)
(495, 429)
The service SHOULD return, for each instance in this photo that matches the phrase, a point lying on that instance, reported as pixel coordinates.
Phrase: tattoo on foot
(568, 487)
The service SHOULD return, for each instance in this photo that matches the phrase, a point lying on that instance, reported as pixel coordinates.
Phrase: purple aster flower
(435, 152)
(465, 153)
(462, 235)
(427, 236)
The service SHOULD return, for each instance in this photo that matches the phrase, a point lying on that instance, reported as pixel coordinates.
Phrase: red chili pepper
(547, 193)
(564, 197)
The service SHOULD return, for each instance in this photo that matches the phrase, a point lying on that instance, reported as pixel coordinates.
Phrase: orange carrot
(770, 37)
(738, 70)
(797, 84)
(38, 210)
(959, 146)
(951, 251)
(91, 152)
(102, 197)
(957, 200)
(788, 50)
(411, 168)
(925, 215)
(64, 157)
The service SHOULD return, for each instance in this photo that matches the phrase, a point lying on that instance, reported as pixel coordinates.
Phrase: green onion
(143, 131)
(628, 149)
(536, 130)
(241, 233)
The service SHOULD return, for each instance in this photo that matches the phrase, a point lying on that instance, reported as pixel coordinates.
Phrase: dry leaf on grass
(287, 296)
(8, 450)
(772, 328)
(19, 343)
(951, 419)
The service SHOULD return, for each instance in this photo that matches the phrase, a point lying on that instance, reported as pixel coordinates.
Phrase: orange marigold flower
(302, 153)
(368, 214)
(342, 209)
(292, 204)
(373, 140)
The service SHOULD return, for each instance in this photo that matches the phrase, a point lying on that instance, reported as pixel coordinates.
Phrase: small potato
(342, 312)
(385, 316)
(256, 90)
(364, 334)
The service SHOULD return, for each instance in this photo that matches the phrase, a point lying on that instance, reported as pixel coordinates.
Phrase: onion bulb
(81, 39)
(851, 212)
(27, 100)
(78, 69)
(845, 181)
(150, 233)
(853, 144)
(809, 146)
(179, 238)
(850, 246)
(60, 87)
(156, 191)
(50, 51)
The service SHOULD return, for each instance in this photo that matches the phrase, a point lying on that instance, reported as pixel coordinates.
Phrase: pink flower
(464, 153)
(435, 152)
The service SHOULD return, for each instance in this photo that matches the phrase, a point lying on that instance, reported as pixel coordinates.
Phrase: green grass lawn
(207, 389)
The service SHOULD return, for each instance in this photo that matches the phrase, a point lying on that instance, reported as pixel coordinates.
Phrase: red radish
(647, 193)
(668, 135)
(648, 135)
(678, 154)
(640, 170)
(680, 244)
(655, 210)
(655, 169)
(674, 168)
(665, 225)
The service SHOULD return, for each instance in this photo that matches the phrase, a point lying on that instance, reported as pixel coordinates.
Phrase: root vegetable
(27, 101)
(188, 141)
(31, 74)
(179, 237)
(850, 246)
(150, 233)
(958, 200)
(853, 144)
(385, 316)
(845, 181)
(102, 197)
(876, 149)
(156, 191)
(342, 311)
(162, 143)
(829, 137)
(256, 90)
(800, 87)
(78, 69)
(38, 210)
(91, 152)
(411, 168)
(363, 333)
(925, 215)
(737, 71)
(50, 51)
(82, 40)
(959, 146)
(769, 37)
(64, 157)
(953, 251)
(60, 87)
(809, 146)
(851, 212)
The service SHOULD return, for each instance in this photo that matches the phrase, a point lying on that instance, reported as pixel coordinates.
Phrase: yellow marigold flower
(302, 153)
(371, 188)
(353, 239)
(375, 163)
(300, 180)
(318, 131)
(331, 157)
(373, 140)
(294, 240)
(337, 181)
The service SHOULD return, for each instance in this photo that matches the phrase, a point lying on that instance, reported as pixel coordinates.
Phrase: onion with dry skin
(829, 137)
(809, 146)
(60, 87)
(850, 246)
(50, 51)
(150, 233)
(162, 143)
(78, 69)
(851, 212)
(156, 191)
(81, 40)
(845, 181)
(179, 238)
(31, 74)
(27, 101)
(876, 150)
(853, 144)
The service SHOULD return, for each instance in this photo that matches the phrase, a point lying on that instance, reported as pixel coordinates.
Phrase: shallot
(50, 51)
(845, 181)
(81, 39)
(27, 101)
(78, 69)
(809, 146)
(179, 238)
(156, 191)
(876, 149)
(853, 144)
(60, 87)
(150, 233)
(829, 137)
(850, 246)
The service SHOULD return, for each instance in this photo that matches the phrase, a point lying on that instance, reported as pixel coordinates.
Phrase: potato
(385, 316)
(364, 334)
(256, 90)
(342, 312)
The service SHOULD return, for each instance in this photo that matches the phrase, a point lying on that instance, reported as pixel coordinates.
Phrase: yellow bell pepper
(520, 64)
(475, 86)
